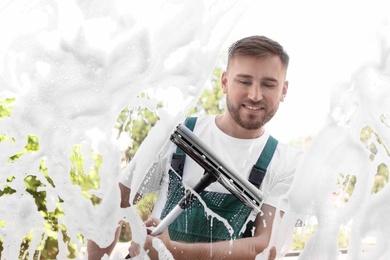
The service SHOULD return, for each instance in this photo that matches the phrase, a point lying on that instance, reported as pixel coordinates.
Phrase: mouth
(253, 108)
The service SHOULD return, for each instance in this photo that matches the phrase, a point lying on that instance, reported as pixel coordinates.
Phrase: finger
(152, 222)
(134, 249)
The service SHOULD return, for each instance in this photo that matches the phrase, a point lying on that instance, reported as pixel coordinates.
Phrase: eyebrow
(244, 76)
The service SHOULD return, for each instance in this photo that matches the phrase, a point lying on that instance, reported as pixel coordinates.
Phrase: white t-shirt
(241, 155)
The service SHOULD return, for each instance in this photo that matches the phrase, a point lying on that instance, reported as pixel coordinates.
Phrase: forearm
(245, 248)
(96, 252)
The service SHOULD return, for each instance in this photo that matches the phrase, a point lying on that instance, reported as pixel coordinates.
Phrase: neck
(227, 125)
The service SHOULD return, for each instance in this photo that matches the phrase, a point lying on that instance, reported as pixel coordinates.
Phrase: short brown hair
(258, 46)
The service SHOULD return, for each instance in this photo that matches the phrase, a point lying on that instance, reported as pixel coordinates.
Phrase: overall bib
(195, 224)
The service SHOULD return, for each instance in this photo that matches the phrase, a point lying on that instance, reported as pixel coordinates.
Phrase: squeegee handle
(205, 181)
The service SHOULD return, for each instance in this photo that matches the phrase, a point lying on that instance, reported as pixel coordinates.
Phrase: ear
(284, 91)
(224, 82)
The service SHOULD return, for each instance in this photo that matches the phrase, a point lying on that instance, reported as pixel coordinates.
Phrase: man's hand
(96, 252)
(243, 248)
(135, 248)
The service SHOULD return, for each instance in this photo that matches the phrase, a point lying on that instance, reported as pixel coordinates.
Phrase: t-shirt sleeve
(152, 180)
(280, 177)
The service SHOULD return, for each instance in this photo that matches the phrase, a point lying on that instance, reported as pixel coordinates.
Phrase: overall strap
(258, 172)
(260, 168)
(179, 158)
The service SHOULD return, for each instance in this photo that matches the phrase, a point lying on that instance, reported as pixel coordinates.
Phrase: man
(254, 83)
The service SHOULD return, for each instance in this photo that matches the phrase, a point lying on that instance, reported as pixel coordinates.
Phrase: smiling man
(254, 83)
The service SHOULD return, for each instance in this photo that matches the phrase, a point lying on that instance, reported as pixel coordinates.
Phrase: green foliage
(144, 208)
(211, 100)
(346, 183)
(78, 176)
(374, 143)
(141, 126)
(33, 185)
(6, 106)
(302, 234)
(7, 190)
(32, 146)
(343, 237)
(381, 178)
(48, 248)
(146, 204)
(136, 123)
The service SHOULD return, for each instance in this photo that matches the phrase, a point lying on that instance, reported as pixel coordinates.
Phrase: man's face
(254, 87)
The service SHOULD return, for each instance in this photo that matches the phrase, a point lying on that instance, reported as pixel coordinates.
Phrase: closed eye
(269, 82)
(269, 85)
(246, 83)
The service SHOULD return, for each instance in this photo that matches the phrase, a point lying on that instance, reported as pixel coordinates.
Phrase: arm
(96, 252)
(245, 248)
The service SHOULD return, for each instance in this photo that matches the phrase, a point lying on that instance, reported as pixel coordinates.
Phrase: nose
(255, 93)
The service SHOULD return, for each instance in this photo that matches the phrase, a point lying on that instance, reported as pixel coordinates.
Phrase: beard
(251, 122)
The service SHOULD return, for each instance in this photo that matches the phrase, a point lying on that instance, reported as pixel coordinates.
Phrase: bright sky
(326, 41)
